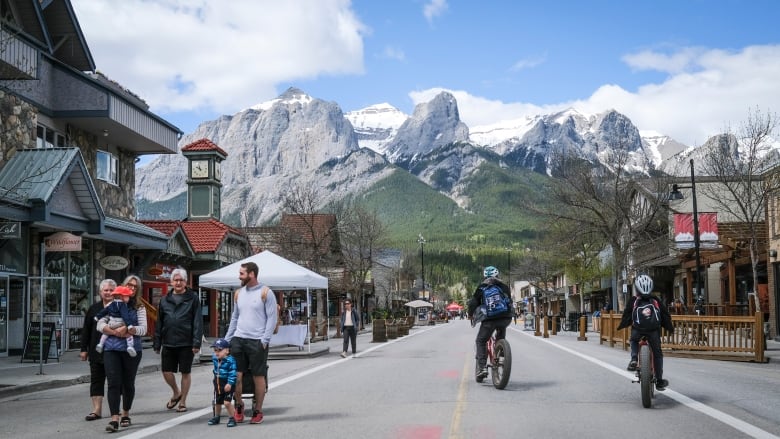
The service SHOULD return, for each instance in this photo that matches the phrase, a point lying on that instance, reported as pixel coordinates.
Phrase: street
(421, 386)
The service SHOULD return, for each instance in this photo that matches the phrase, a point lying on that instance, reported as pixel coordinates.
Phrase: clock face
(200, 168)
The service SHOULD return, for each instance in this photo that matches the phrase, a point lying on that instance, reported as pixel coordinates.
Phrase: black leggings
(121, 370)
(97, 379)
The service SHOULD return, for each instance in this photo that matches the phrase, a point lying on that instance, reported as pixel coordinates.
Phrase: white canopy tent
(275, 271)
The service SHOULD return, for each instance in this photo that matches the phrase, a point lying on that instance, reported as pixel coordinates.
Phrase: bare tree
(607, 200)
(362, 235)
(744, 164)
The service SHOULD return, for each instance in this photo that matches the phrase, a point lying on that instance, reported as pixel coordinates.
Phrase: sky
(685, 68)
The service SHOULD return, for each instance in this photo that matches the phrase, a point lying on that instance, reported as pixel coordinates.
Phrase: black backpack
(646, 315)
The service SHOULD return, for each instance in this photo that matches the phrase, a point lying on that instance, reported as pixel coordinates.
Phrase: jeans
(485, 331)
(350, 333)
(121, 370)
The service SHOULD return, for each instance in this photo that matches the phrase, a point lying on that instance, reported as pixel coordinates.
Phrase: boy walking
(224, 381)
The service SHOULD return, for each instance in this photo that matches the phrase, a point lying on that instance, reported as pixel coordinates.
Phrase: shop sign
(62, 242)
(160, 271)
(114, 263)
(10, 230)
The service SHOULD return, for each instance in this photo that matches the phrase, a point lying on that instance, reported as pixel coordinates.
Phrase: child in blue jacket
(224, 381)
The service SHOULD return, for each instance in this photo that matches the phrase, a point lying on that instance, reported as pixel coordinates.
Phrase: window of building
(107, 165)
(49, 138)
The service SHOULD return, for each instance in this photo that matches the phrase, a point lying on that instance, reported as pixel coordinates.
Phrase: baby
(118, 314)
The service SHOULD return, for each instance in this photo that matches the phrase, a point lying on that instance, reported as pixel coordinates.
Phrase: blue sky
(685, 68)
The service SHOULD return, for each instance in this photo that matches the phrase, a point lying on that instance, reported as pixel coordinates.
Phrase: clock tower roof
(203, 145)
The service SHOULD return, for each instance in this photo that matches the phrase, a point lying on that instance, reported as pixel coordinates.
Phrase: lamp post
(421, 241)
(509, 267)
(677, 195)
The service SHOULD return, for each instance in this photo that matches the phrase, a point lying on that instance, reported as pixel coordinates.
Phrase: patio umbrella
(453, 307)
(419, 304)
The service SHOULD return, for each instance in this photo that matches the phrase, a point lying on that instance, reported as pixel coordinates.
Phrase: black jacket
(89, 335)
(179, 325)
(666, 318)
(478, 298)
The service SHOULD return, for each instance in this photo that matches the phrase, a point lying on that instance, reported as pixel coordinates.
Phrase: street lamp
(509, 267)
(421, 241)
(677, 195)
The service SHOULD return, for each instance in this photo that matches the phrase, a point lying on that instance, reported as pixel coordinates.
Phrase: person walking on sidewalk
(120, 367)
(251, 325)
(350, 322)
(89, 339)
(178, 334)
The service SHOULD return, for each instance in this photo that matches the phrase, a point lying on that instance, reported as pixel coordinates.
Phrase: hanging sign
(114, 263)
(62, 242)
(10, 230)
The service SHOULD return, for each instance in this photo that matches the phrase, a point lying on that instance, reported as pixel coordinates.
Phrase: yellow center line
(460, 407)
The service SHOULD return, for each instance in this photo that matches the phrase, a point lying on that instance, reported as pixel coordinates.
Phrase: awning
(419, 304)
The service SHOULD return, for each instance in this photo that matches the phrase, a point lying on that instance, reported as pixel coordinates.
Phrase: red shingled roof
(163, 226)
(203, 145)
(206, 236)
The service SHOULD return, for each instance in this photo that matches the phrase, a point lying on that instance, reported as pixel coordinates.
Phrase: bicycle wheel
(646, 375)
(502, 364)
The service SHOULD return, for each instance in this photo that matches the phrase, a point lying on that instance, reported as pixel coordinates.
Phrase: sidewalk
(18, 377)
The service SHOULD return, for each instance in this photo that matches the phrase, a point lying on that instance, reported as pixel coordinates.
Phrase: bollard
(536, 322)
(545, 334)
(583, 327)
(555, 325)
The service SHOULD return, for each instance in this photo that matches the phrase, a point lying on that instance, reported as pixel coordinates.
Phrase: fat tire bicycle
(645, 372)
(499, 361)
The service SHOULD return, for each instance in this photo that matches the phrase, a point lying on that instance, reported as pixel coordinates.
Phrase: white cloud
(708, 91)
(395, 53)
(433, 9)
(224, 56)
(527, 63)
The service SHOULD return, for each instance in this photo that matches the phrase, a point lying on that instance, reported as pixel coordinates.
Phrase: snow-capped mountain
(297, 139)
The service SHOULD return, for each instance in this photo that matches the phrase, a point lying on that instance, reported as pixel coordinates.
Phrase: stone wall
(18, 120)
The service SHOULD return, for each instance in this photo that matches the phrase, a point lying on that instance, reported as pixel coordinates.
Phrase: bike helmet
(490, 271)
(643, 284)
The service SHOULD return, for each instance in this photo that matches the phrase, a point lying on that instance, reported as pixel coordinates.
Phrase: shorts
(249, 355)
(221, 395)
(177, 359)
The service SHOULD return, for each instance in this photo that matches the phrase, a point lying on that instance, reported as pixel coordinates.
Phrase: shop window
(49, 138)
(107, 165)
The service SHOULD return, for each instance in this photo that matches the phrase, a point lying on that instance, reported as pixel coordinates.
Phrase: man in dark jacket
(644, 286)
(491, 322)
(178, 333)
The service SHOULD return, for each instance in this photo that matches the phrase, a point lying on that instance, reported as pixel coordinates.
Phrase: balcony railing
(18, 59)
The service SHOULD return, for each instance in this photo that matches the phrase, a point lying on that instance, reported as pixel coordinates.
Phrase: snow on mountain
(377, 125)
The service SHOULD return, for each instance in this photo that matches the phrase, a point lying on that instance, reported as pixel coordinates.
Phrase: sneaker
(343, 355)
(214, 420)
(257, 417)
(661, 384)
(632, 365)
(131, 351)
(231, 422)
(483, 373)
(99, 349)
(239, 413)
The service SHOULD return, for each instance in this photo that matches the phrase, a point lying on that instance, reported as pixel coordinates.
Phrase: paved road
(421, 386)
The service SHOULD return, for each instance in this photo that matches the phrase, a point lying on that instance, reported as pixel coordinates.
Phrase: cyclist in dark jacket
(644, 286)
(497, 323)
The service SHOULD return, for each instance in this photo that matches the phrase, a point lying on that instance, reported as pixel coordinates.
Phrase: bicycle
(499, 361)
(645, 372)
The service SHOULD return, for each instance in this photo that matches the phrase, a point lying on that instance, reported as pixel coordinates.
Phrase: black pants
(485, 331)
(97, 378)
(121, 370)
(350, 333)
(654, 340)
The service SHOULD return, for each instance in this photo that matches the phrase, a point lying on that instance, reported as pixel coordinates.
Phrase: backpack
(496, 303)
(646, 315)
(263, 296)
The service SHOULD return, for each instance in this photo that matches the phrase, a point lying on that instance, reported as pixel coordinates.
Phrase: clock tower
(204, 179)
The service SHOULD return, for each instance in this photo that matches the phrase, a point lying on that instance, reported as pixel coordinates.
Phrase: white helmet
(644, 284)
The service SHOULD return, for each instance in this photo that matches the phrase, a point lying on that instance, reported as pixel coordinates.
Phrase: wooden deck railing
(738, 338)
(151, 311)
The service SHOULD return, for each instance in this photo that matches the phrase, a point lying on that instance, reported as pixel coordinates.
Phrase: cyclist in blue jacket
(491, 322)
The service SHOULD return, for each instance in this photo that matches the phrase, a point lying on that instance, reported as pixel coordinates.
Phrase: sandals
(112, 427)
(181, 409)
(172, 403)
(92, 416)
(124, 422)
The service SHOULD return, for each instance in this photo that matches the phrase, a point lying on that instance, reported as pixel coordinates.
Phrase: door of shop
(3, 316)
(153, 292)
